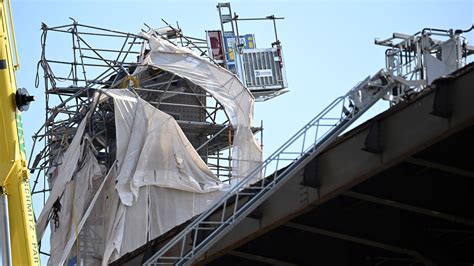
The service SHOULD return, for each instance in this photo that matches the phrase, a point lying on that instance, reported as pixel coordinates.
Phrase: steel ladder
(208, 227)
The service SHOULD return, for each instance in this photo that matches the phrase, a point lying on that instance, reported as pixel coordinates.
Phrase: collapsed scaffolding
(88, 96)
(197, 112)
(89, 99)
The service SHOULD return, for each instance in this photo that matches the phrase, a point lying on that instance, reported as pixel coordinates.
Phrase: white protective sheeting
(153, 150)
(65, 171)
(222, 85)
(162, 181)
(164, 207)
(77, 199)
(159, 181)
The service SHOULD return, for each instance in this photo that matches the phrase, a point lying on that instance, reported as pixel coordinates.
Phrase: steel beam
(410, 208)
(440, 167)
(359, 240)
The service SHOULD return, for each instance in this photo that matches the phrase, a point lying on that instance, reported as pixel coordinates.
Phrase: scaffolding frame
(70, 85)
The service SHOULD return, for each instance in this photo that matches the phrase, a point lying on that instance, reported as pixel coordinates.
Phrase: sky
(328, 46)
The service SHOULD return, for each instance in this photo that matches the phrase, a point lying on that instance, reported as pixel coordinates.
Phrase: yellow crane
(18, 243)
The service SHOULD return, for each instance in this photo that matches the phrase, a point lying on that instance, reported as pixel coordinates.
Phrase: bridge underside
(413, 213)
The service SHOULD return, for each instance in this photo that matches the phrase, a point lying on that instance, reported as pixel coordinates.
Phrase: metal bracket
(441, 106)
(310, 174)
(257, 213)
(374, 142)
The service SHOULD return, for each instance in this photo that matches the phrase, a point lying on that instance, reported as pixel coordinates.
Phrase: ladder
(208, 227)
(225, 14)
(225, 17)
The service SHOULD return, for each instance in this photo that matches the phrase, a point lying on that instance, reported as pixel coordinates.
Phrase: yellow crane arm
(14, 176)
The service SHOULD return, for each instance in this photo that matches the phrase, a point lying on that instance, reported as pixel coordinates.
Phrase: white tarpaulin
(159, 182)
(222, 85)
(153, 150)
(65, 171)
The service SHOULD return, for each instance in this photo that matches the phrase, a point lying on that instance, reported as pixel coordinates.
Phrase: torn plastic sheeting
(64, 174)
(153, 150)
(246, 156)
(217, 81)
(76, 202)
(158, 210)
(222, 85)
(160, 174)
(150, 142)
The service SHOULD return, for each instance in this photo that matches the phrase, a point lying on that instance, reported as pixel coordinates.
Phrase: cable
(464, 31)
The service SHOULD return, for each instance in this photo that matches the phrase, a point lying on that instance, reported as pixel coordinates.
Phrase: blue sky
(328, 45)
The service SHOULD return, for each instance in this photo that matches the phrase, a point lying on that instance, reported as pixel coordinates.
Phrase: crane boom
(18, 235)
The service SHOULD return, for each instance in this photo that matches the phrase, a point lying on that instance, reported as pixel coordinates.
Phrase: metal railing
(242, 199)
